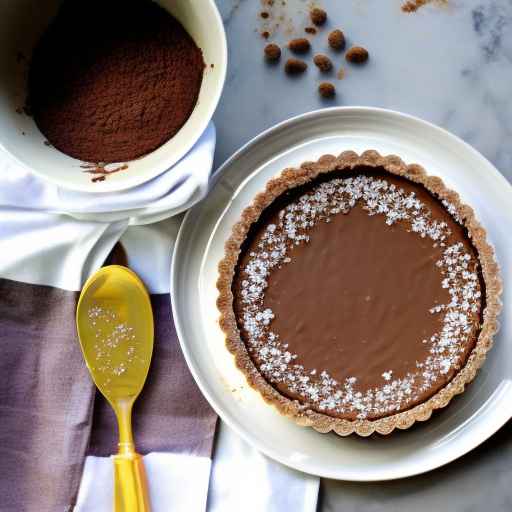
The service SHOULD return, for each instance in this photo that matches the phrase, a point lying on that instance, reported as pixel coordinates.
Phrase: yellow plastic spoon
(115, 327)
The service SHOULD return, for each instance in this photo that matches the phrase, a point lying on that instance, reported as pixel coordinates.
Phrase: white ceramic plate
(469, 419)
(20, 28)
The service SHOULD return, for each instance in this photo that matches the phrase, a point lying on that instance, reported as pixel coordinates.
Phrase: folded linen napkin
(168, 194)
(47, 397)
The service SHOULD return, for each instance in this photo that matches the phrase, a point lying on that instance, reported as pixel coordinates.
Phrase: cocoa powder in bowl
(111, 81)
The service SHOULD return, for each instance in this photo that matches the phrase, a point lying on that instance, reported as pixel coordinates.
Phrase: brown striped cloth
(50, 414)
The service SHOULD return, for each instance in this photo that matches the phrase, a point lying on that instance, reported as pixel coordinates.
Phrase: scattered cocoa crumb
(272, 52)
(340, 75)
(322, 62)
(336, 40)
(23, 133)
(310, 30)
(357, 55)
(327, 90)
(47, 143)
(414, 5)
(318, 16)
(300, 45)
(212, 65)
(273, 17)
(295, 66)
(265, 34)
(19, 110)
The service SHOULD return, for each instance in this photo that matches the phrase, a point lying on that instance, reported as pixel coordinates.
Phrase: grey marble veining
(450, 65)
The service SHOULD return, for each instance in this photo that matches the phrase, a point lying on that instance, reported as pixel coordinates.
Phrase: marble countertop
(449, 63)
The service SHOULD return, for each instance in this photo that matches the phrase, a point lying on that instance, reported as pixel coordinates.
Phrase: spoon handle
(130, 484)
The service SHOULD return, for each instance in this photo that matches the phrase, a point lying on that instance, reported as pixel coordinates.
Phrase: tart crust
(294, 177)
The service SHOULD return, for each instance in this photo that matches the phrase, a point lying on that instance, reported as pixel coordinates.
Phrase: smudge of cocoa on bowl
(327, 90)
(272, 52)
(357, 55)
(295, 66)
(47, 143)
(318, 16)
(340, 75)
(336, 40)
(100, 171)
(322, 62)
(299, 45)
(120, 90)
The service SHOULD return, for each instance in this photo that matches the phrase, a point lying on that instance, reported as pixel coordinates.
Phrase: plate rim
(232, 422)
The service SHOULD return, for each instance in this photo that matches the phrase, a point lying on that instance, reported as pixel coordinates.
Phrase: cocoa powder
(113, 81)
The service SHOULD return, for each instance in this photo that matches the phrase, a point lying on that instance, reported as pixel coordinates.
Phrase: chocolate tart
(358, 294)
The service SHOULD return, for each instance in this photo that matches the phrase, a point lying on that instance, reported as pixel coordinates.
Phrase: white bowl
(21, 24)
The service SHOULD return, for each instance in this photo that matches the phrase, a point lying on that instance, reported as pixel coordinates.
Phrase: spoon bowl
(115, 327)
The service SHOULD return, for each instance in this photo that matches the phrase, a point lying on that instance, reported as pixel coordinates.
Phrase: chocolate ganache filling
(359, 294)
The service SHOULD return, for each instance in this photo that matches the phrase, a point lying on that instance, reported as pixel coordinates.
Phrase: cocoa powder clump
(113, 81)
(272, 52)
(327, 90)
(300, 45)
(318, 16)
(336, 40)
(357, 55)
(322, 62)
(295, 66)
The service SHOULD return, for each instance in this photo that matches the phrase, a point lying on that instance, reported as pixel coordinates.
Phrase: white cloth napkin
(40, 246)
(168, 194)
(244, 479)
